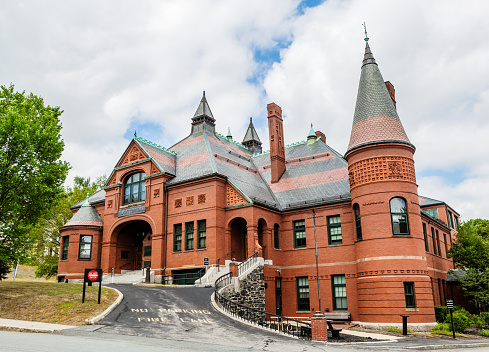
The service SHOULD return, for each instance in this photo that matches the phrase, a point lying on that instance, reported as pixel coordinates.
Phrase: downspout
(166, 228)
(99, 254)
(317, 264)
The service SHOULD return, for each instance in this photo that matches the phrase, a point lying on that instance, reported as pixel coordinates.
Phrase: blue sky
(143, 67)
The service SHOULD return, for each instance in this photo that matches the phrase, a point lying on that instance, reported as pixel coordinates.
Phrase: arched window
(276, 243)
(400, 225)
(135, 188)
(358, 221)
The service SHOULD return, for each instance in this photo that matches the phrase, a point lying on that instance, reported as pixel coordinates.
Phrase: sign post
(92, 275)
(450, 308)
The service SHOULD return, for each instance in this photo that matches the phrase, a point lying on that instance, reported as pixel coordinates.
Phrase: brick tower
(392, 272)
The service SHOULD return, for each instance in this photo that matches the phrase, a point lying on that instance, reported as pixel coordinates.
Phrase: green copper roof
(311, 134)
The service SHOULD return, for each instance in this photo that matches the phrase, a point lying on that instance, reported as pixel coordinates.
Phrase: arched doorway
(134, 246)
(239, 246)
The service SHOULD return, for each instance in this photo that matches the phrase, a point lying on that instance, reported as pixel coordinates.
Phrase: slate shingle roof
(86, 215)
(375, 119)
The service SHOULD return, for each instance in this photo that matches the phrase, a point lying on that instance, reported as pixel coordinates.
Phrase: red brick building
(381, 248)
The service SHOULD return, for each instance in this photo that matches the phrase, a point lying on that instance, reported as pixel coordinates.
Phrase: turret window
(399, 216)
(358, 221)
(135, 188)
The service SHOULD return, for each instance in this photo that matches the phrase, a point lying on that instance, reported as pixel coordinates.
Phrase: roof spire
(375, 120)
(311, 137)
(365, 27)
(229, 137)
(203, 115)
(251, 139)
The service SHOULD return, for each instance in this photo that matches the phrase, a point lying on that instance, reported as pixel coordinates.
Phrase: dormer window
(135, 188)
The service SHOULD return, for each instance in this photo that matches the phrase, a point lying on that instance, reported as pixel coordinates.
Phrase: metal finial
(135, 135)
(365, 27)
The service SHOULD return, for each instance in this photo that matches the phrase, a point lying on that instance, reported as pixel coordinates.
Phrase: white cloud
(113, 63)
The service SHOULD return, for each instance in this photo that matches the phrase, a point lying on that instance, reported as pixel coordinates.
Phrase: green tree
(46, 232)
(31, 172)
(470, 253)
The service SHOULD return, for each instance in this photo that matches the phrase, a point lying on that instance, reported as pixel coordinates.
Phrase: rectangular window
(446, 244)
(409, 294)
(201, 224)
(339, 292)
(177, 237)
(85, 247)
(303, 294)
(438, 242)
(450, 218)
(433, 240)
(276, 243)
(147, 251)
(66, 244)
(334, 229)
(189, 236)
(426, 248)
(432, 212)
(456, 222)
(299, 234)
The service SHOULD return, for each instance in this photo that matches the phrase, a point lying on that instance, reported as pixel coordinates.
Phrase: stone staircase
(212, 274)
(126, 277)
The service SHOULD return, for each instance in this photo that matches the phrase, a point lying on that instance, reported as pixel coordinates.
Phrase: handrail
(247, 263)
(259, 317)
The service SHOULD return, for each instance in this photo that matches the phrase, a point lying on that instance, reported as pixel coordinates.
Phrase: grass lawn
(51, 302)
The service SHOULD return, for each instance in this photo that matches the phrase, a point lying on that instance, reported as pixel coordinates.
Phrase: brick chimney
(392, 92)
(277, 148)
(321, 135)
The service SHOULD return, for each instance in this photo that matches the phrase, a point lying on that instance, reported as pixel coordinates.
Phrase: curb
(98, 318)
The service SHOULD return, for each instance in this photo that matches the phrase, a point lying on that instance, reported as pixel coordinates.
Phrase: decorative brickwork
(154, 169)
(134, 154)
(381, 169)
(111, 181)
(189, 201)
(178, 203)
(233, 197)
(109, 204)
(156, 193)
(201, 199)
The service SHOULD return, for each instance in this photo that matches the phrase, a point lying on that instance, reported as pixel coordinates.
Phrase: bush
(485, 333)
(476, 321)
(440, 313)
(47, 268)
(461, 320)
(485, 317)
(441, 327)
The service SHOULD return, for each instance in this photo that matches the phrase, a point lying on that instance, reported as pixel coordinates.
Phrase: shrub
(476, 321)
(440, 313)
(461, 320)
(485, 317)
(442, 326)
(485, 333)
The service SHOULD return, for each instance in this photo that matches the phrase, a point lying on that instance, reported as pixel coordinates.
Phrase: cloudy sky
(119, 66)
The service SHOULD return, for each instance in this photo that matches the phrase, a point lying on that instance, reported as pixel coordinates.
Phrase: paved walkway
(32, 325)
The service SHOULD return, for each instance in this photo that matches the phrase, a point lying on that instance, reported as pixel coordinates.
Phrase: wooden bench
(335, 332)
(338, 316)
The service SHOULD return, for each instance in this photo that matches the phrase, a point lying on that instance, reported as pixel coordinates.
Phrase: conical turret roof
(85, 216)
(375, 120)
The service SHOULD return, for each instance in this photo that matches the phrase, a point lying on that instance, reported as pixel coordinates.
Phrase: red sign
(92, 275)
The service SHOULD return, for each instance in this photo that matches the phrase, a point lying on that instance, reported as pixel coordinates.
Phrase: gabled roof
(375, 120)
